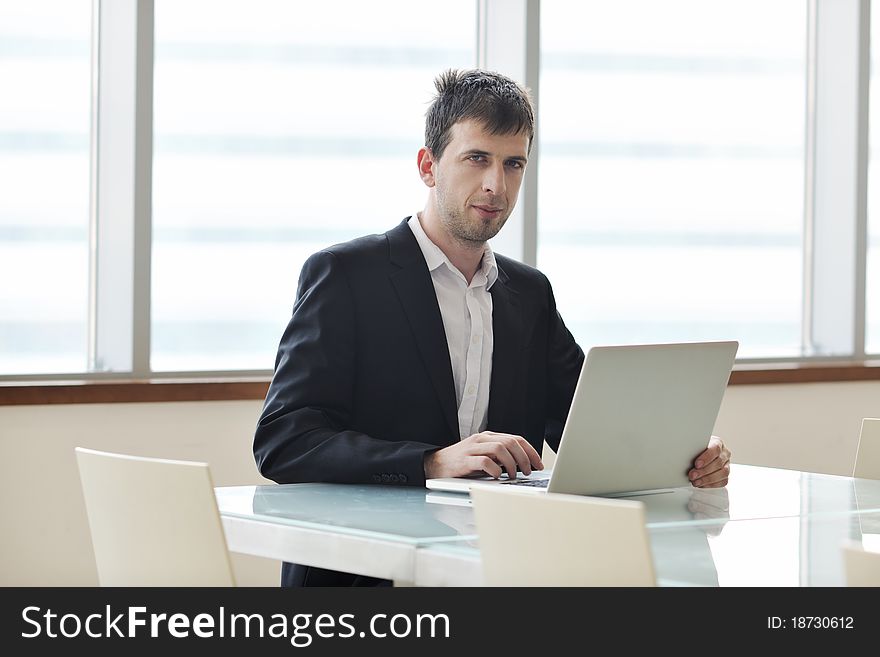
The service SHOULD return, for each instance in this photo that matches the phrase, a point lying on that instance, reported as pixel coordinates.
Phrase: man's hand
(487, 452)
(712, 466)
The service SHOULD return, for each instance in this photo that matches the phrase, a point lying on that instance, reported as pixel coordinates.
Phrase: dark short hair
(501, 105)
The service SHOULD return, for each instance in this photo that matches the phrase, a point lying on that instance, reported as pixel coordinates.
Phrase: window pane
(872, 285)
(280, 128)
(45, 78)
(671, 179)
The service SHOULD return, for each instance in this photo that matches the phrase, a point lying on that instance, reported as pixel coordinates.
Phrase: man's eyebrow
(477, 151)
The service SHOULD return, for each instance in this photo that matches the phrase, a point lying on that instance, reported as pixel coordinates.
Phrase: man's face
(477, 180)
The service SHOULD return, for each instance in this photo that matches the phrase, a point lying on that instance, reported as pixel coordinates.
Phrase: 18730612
(810, 623)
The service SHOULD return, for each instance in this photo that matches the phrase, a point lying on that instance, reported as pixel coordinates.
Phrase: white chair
(862, 566)
(153, 522)
(561, 540)
(867, 464)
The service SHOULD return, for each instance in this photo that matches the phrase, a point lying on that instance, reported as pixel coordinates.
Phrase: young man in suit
(421, 353)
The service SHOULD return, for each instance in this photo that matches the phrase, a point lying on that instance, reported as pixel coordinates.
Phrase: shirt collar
(434, 256)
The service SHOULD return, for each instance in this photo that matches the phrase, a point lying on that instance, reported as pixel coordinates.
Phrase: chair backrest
(561, 540)
(862, 566)
(868, 453)
(153, 522)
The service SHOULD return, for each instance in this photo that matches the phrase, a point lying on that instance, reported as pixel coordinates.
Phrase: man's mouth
(487, 211)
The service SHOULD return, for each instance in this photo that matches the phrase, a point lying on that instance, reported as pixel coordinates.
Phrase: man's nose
(494, 181)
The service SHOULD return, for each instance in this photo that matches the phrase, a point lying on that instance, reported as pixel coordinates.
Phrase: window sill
(131, 391)
(14, 393)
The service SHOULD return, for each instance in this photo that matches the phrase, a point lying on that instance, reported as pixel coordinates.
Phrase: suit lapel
(507, 330)
(419, 300)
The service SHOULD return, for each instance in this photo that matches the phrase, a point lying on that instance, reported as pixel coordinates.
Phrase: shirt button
(471, 390)
(475, 339)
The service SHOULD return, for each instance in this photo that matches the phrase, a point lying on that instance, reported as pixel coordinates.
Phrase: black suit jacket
(363, 385)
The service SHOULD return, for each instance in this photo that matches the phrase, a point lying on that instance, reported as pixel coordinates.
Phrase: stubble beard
(472, 234)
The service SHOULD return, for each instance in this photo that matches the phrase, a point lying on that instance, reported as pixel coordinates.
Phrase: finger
(704, 467)
(710, 473)
(485, 464)
(500, 455)
(715, 479)
(519, 455)
(715, 449)
(531, 453)
(707, 456)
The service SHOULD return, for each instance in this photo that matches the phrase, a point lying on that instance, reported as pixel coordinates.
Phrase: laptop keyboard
(534, 483)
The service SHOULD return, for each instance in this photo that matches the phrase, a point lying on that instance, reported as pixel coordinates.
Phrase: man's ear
(426, 166)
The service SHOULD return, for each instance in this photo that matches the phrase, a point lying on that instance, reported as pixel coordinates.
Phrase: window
(699, 171)
(45, 77)
(671, 179)
(280, 128)
(872, 284)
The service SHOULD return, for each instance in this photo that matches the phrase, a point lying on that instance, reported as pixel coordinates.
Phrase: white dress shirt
(467, 319)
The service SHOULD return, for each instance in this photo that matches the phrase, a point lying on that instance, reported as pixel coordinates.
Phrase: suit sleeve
(304, 432)
(564, 361)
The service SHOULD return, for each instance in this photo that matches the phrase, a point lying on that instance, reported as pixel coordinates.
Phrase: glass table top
(420, 517)
(392, 513)
(782, 551)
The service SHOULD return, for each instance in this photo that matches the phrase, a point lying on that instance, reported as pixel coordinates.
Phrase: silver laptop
(639, 417)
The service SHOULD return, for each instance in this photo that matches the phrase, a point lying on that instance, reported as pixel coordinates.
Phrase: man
(421, 353)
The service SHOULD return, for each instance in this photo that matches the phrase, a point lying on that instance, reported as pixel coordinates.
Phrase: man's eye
(516, 164)
(476, 158)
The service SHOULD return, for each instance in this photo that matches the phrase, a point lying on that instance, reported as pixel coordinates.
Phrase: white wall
(45, 539)
(808, 426)
(45, 531)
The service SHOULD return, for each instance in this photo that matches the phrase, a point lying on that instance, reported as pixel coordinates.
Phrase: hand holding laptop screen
(712, 466)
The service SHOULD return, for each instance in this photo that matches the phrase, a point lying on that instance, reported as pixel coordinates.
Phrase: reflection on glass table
(769, 527)
(759, 552)
(869, 523)
(391, 513)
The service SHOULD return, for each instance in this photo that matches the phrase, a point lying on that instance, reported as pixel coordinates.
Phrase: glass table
(768, 527)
